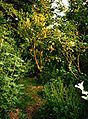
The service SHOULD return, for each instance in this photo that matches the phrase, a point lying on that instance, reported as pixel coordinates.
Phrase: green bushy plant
(12, 68)
(62, 102)
(10, 93)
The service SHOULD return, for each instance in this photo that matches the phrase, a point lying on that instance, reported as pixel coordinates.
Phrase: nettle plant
(11, 69)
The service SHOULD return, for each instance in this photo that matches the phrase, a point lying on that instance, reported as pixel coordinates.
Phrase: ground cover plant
(42, 59)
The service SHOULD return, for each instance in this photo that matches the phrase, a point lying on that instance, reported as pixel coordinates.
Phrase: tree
(17, 49)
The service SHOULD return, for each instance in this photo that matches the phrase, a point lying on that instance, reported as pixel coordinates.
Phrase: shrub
(11, 69)
(61, 102)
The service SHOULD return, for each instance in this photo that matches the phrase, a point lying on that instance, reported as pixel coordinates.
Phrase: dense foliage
(53, 52)
(62, 102)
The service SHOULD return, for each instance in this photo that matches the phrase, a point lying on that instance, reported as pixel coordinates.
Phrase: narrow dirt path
(32, 109)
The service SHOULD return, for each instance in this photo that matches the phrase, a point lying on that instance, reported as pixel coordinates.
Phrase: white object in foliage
(85, 92)
(80, 86)
(85, 97)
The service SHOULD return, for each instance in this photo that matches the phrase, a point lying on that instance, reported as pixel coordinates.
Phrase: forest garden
(43, 60)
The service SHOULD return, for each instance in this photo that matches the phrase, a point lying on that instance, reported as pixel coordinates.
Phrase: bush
(11, 69)
(61, 102)
(10, 93)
